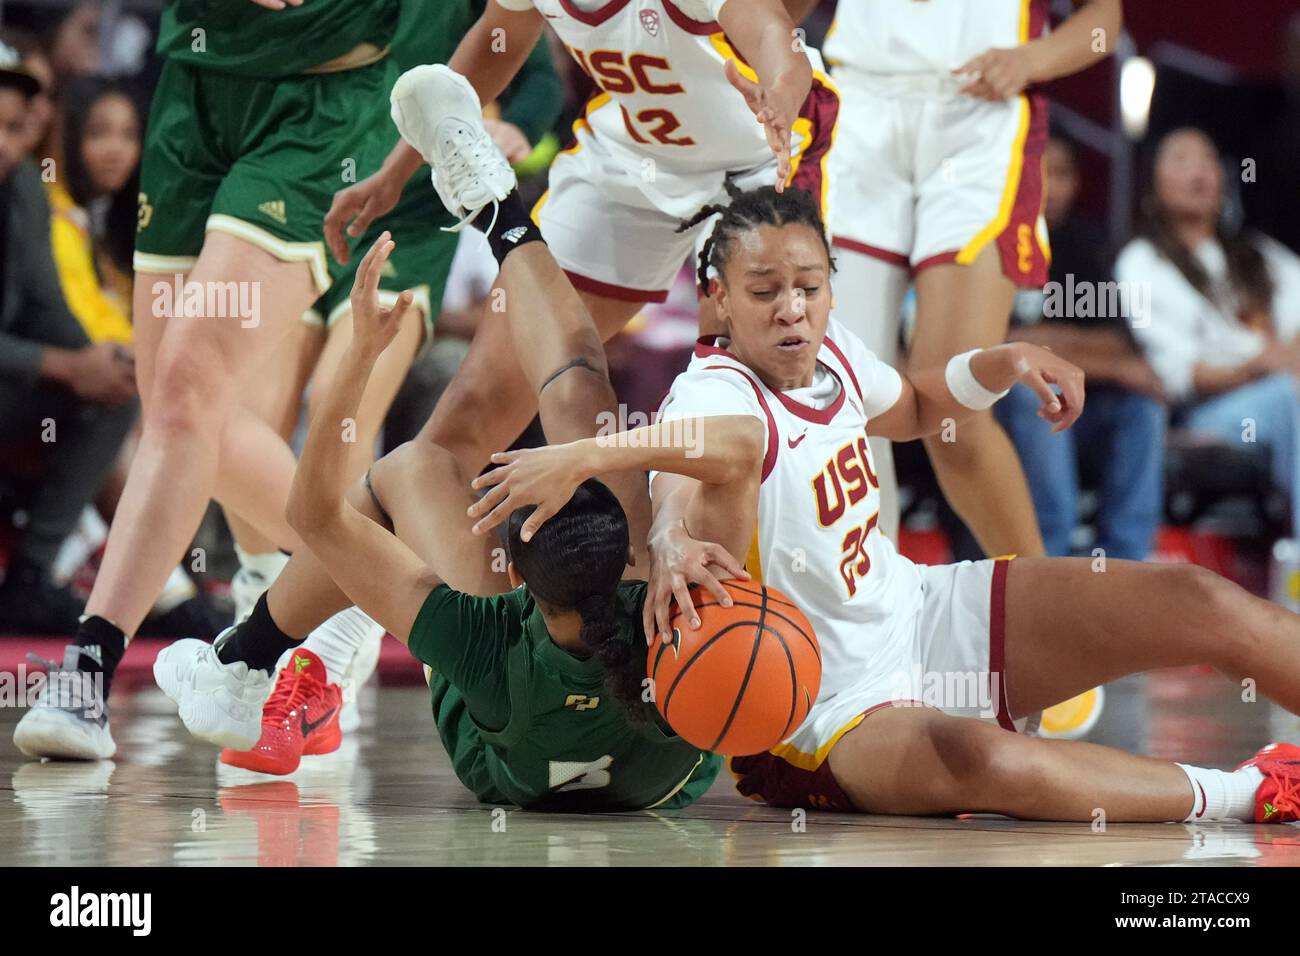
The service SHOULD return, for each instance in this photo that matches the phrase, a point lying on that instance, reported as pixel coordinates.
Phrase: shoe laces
(1287, 796)
(291, 691)
(461, 168)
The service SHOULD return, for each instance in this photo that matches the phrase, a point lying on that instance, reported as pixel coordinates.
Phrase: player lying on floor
(788, 395)
(536, 692)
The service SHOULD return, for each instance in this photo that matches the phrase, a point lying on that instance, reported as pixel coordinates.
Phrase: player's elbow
(310, 518)
(748, 446)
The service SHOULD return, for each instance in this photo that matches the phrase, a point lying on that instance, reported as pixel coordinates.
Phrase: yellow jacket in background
(102, 306)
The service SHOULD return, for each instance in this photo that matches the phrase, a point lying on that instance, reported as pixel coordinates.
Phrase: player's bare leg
(868, 299)
(1069, 627)
(921, 762)
(275, 396)
(961, 308)
(196, 374)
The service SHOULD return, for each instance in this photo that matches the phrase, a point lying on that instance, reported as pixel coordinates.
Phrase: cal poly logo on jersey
(650, 20)
(581, 702)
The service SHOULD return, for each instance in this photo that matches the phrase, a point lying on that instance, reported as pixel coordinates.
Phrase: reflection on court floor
(391, 798)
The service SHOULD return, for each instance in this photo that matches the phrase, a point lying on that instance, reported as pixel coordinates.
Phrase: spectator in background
(1224, 310)
(34, 61)
(1120, 436)
(73, 38)
(54, 384)
(93, 202)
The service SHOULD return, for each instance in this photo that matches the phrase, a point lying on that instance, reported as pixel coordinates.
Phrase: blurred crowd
(1188, 333)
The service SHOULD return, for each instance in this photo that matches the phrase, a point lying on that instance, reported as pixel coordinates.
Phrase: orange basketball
(744, 680)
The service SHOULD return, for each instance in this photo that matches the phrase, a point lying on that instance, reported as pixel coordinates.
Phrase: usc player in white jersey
(939, 183)
(926, 671)
(682, 82)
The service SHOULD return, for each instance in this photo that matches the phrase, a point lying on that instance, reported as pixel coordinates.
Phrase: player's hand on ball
(373, 325)
(676, 562)
(545, 477)
(278, 4)
(998, 74)
(776, 109)
(1040, 369)
(355, 208)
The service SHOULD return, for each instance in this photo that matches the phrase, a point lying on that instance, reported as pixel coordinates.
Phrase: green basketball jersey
(527, 723)
(237, 36)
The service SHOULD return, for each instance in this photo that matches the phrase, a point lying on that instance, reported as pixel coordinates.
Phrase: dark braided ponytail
(748, 209)
(574, 562)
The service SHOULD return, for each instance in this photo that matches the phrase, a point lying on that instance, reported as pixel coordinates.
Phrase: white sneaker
(69, 720)
(439, 114)
(358, 673)
(219, 703)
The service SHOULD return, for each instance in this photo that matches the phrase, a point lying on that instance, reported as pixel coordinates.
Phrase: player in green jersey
(537, 693)
(258, 116)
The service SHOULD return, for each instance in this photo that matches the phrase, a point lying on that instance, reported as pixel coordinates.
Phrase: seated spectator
(1120, 436)
(93, 202)
(58, 391)
(1224, 310)
(35, 61)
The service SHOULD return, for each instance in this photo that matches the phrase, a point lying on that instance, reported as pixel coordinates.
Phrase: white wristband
(965, 387)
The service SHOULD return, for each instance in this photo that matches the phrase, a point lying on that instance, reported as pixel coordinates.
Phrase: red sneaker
(1278, 797)
(301, 717)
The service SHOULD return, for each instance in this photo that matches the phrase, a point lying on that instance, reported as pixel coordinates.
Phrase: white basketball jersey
(819, 501)
(927, 36)
(666, 113)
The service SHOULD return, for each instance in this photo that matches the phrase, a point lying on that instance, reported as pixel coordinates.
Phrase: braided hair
(574, 562)
(748, 209)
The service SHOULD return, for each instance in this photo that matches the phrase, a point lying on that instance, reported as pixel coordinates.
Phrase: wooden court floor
(388, 797)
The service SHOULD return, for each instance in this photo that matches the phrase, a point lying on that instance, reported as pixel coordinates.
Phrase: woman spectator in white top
(1221, 330)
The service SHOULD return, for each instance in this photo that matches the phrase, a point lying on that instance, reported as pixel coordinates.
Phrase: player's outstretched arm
(722, 451)
(778, 84)
(375, 569)
(975, 380)
(1085, 38)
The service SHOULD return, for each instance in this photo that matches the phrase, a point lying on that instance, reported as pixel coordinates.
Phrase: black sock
(512, 229)
(102, 645)
(258, 642)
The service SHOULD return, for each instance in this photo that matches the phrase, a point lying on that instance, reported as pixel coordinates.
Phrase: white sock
(268, 564)
(1222, 795)
(336, 641)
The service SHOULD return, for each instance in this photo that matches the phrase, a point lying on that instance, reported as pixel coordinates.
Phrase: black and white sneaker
(69, 720)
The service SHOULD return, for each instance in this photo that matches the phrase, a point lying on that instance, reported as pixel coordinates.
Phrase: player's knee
(457, 420)
(979, 756)
(417, 461)
(1213, 606)
(962, 444)
(188, 393)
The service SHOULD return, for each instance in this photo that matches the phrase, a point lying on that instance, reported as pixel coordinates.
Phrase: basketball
(745, 679)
